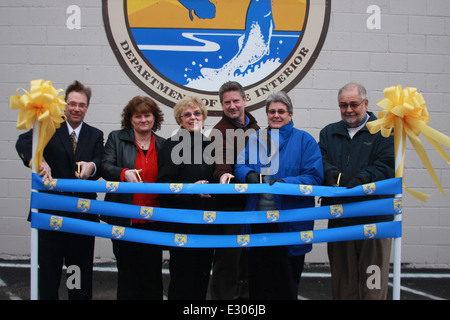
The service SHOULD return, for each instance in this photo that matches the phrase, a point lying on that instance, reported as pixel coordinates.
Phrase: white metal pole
(397, 263)
(398, 241)
(34, 267)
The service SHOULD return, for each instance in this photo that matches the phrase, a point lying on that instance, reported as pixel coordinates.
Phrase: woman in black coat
(130, 155)
(183, 159)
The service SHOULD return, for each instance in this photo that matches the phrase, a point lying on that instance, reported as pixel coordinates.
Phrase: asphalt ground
(416, 283)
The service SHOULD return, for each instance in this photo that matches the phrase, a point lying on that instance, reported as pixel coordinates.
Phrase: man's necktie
(74, 141)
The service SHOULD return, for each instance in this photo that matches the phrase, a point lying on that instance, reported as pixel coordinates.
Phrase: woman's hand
(203, 195)
(133, 175)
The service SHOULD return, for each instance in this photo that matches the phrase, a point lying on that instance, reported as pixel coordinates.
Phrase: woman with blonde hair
(182, 160)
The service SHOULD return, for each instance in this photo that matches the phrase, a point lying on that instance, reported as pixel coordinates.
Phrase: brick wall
(411, 47)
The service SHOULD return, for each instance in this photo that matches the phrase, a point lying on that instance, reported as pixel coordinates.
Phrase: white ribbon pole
(34, 267)
(398, 241)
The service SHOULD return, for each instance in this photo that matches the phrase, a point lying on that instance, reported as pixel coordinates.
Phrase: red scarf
(149, 173)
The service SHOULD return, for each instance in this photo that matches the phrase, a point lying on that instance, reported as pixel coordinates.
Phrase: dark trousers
(139, 268)
(58, 248)
(273, 274)
(229, 278)
(189, 273)
(349, 264)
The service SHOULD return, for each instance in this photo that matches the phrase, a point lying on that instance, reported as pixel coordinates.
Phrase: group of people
(346, 155)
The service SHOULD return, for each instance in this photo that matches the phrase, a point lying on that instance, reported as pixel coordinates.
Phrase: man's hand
(85, 170)
(356, 181)
(331, 178)
(45, 171)
(225, 178)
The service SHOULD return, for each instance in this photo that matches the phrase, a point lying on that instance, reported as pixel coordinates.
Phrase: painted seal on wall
(174, 48)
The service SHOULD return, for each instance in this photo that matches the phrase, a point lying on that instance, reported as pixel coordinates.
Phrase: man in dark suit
(74, 152)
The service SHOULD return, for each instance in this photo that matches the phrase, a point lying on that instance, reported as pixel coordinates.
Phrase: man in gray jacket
(353, 156)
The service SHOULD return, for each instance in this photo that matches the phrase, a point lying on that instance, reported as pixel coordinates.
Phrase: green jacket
(370, 156)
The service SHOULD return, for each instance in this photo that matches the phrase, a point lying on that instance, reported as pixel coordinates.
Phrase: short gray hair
(351, 85)
(282, 97)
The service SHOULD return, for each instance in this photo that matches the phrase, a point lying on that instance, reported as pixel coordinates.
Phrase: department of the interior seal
(174, 48)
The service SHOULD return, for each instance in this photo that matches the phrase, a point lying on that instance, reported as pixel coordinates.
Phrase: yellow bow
(44, 104)
(405, 110)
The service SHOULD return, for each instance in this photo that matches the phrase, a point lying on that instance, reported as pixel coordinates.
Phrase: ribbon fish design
(254, 44)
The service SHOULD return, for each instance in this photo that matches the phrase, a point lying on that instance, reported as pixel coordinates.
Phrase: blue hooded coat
(296, 159)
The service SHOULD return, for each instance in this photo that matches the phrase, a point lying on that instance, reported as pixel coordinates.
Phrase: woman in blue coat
(279, 153)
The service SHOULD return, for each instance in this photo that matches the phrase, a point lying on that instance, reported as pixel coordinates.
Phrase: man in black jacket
(353, 156)
(67, 159)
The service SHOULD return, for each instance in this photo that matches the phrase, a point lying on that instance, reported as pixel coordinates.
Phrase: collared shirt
(247, 121)
(77, 130)
(77, 134)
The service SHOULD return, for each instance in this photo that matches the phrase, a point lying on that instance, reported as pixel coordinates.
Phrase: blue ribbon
(47, 201)
(359, 232)
(52, 201)
(384, 187)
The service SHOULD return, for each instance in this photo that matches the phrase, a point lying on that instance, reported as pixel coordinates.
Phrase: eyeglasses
(189, 114)
(80, 105)
(352, 105)
(280, 112)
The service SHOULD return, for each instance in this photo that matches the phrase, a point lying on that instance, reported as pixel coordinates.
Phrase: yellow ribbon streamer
(44, 104)
(405, 110)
